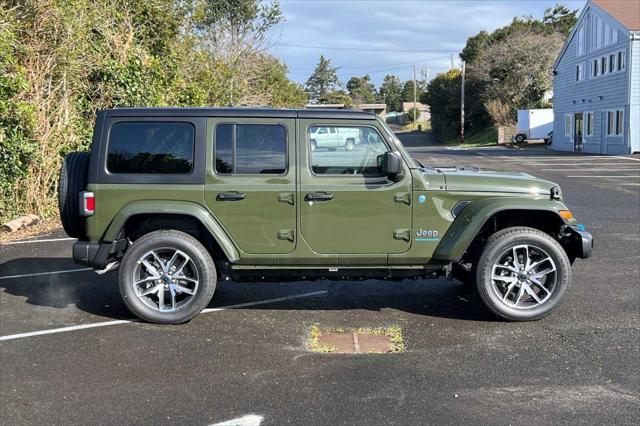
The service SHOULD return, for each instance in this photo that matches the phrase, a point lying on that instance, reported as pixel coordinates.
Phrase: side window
(151, 147)
(356, 150)
(251, 149)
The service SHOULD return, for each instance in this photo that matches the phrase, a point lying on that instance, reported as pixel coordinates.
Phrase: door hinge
(402, 197)
(402, 234)
(286, 234)
(286, 197)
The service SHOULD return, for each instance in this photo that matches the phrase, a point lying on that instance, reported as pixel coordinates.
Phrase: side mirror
(390, 164)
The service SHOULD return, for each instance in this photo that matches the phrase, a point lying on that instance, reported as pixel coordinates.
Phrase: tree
(407, 90)
(515, 72)
(323, 80)
(412, 114)
(560, 18)
(233, 25)
(339, 97)
(391, 92)
(361, 90)
(443, 97)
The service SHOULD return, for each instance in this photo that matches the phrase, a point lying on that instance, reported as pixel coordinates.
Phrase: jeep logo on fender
(427, 233)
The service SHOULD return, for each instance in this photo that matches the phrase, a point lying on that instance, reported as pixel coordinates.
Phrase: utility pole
(462, 105)
(415, 118)
(452, 61)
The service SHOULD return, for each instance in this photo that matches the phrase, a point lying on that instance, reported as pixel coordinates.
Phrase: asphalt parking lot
(247, 358)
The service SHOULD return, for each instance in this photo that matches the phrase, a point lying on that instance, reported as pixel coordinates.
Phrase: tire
(314, 145)
(73, 180)
(494, 293)
(185, 305)
(520, 138)
(349, 145)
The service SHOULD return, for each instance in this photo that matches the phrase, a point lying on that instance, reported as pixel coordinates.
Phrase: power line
(364, 49)
(376, 67)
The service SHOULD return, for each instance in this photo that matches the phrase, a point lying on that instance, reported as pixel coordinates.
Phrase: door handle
(231, 196)
(318, 196)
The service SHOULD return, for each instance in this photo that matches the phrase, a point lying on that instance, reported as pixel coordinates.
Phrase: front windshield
(397, 142)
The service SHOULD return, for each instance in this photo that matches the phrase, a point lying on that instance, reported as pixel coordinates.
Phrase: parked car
(334, 137)
(534, 124)
(176, 199)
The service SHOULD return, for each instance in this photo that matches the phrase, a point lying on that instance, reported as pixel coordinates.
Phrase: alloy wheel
(165, 279)
(524, 277)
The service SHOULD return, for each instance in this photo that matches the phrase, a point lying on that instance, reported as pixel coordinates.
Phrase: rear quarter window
(151, 148)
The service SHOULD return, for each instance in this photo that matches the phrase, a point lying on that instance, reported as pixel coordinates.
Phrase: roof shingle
(625, 11)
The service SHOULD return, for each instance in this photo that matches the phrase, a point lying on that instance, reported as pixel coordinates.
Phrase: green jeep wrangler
(177, 198)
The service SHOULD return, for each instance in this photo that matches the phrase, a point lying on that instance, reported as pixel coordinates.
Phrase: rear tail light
(87, 203)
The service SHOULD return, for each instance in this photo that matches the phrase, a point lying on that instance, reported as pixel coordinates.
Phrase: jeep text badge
(427, 235)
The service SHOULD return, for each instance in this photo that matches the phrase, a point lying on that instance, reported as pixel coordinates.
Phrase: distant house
(596, 88)
(425, 114)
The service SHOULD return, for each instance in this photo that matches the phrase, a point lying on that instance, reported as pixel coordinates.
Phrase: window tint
(251, 149)
(150, 147)
(352, 150)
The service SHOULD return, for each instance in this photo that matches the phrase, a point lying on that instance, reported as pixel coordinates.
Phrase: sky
(379, 37)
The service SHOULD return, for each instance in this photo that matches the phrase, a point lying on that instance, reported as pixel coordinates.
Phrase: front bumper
(96, 255)
(581, 242)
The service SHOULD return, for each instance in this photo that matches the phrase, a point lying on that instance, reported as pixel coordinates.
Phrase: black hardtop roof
(240, 112)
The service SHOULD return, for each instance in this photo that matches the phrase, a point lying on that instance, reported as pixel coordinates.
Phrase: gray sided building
(596, 88)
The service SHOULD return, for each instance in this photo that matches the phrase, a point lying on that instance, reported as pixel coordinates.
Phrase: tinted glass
(259, 149)
(352, 150)
(224, 148)
(163, 148)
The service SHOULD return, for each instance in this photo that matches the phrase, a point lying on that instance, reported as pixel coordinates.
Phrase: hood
(465, 179)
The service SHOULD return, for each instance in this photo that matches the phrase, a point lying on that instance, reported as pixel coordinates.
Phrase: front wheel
(522, 274)
(167, 277)
(520, 138)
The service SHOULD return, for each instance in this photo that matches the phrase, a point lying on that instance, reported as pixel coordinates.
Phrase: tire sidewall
(174, 240)
(497, 248)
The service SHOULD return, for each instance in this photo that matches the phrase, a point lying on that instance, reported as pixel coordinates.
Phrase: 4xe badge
(427, 235)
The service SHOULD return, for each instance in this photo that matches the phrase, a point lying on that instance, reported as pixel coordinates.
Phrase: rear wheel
(520, 138)
(522, 274)
(167, 277)
(73, 180)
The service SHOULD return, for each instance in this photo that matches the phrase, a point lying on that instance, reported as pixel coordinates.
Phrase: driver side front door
(347, 207)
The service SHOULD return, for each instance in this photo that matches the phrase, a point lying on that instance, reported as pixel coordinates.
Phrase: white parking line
(8, 277)
(602, 176)
(609, 169)
(248, 420)
(117, 322)
(629, 184)
(37, 241)
(582, 164)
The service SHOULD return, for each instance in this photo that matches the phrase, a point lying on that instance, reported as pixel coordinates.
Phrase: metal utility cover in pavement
(356, 342)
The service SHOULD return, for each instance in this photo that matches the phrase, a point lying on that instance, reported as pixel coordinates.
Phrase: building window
(581, 41)
(567, 125)
(615, 122)
(580, 72)
(612, 62)
(595, 68)
(588, 124)
(619, 122)
(621, 60)
(602, 34)
(603, 65)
